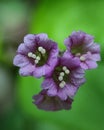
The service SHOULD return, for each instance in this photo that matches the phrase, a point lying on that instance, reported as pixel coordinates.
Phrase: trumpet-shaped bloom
(81, 45)
(65, 79)
(37, 56)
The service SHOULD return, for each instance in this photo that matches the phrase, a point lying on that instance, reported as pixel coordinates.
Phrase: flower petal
(67, 54)
(95, 48)
(68, 42)
(70, 90)
(84, 65)
(20, 60)
(61, 93)
(39, 71)
(28, 39)
(77, 81)
(48, 83)
(44, 70)
(78, 73)
(91, 64)
(52, 91)
(42, 36)
(22, 49)
(27, 70)
(45, 102)
(96, 57)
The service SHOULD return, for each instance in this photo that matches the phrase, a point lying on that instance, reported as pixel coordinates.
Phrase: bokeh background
(57, 18)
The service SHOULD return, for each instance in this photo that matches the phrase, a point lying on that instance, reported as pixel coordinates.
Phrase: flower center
(78, 49)
(39, 57)
(61, 76)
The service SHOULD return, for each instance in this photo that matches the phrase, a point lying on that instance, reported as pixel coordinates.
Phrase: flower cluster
(63, 72)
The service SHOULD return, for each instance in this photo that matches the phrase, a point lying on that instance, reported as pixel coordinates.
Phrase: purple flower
(65, 79)
(37, 56)
(45, 102)
(81, 45)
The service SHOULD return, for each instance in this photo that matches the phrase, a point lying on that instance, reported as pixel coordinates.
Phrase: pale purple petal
(70, 90)
(84, 65)
(42, 37)
(62, 94)
(82, 36)
(53, 56)
(87, 46)
(38, 72)
(77, 37)
(51, 63)
(48, 83)
(78, 73)
(67, 54)
(78, 81)
(68, 42)
(49, 68)
(22, 49)
(29, 38)
(77, 77)
(93, 57)
(51, 86)
(95, 48)
(20, 60)
(52, 91)
(91, 64)
(44, 70)
(88, 39)
(96, 57)
(27, 70)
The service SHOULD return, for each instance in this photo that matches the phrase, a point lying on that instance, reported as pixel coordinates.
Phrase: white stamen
(62, 84)
(62, 74)
(64, 68)
(30, 54)
(33, 56)
(43, 51)
(77, 54)
(38, 58)
(67, 71)
(36, 61)
(60, 78)
(40, 48)
(82, 58)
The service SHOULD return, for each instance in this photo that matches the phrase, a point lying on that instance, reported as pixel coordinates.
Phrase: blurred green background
(57, 18)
